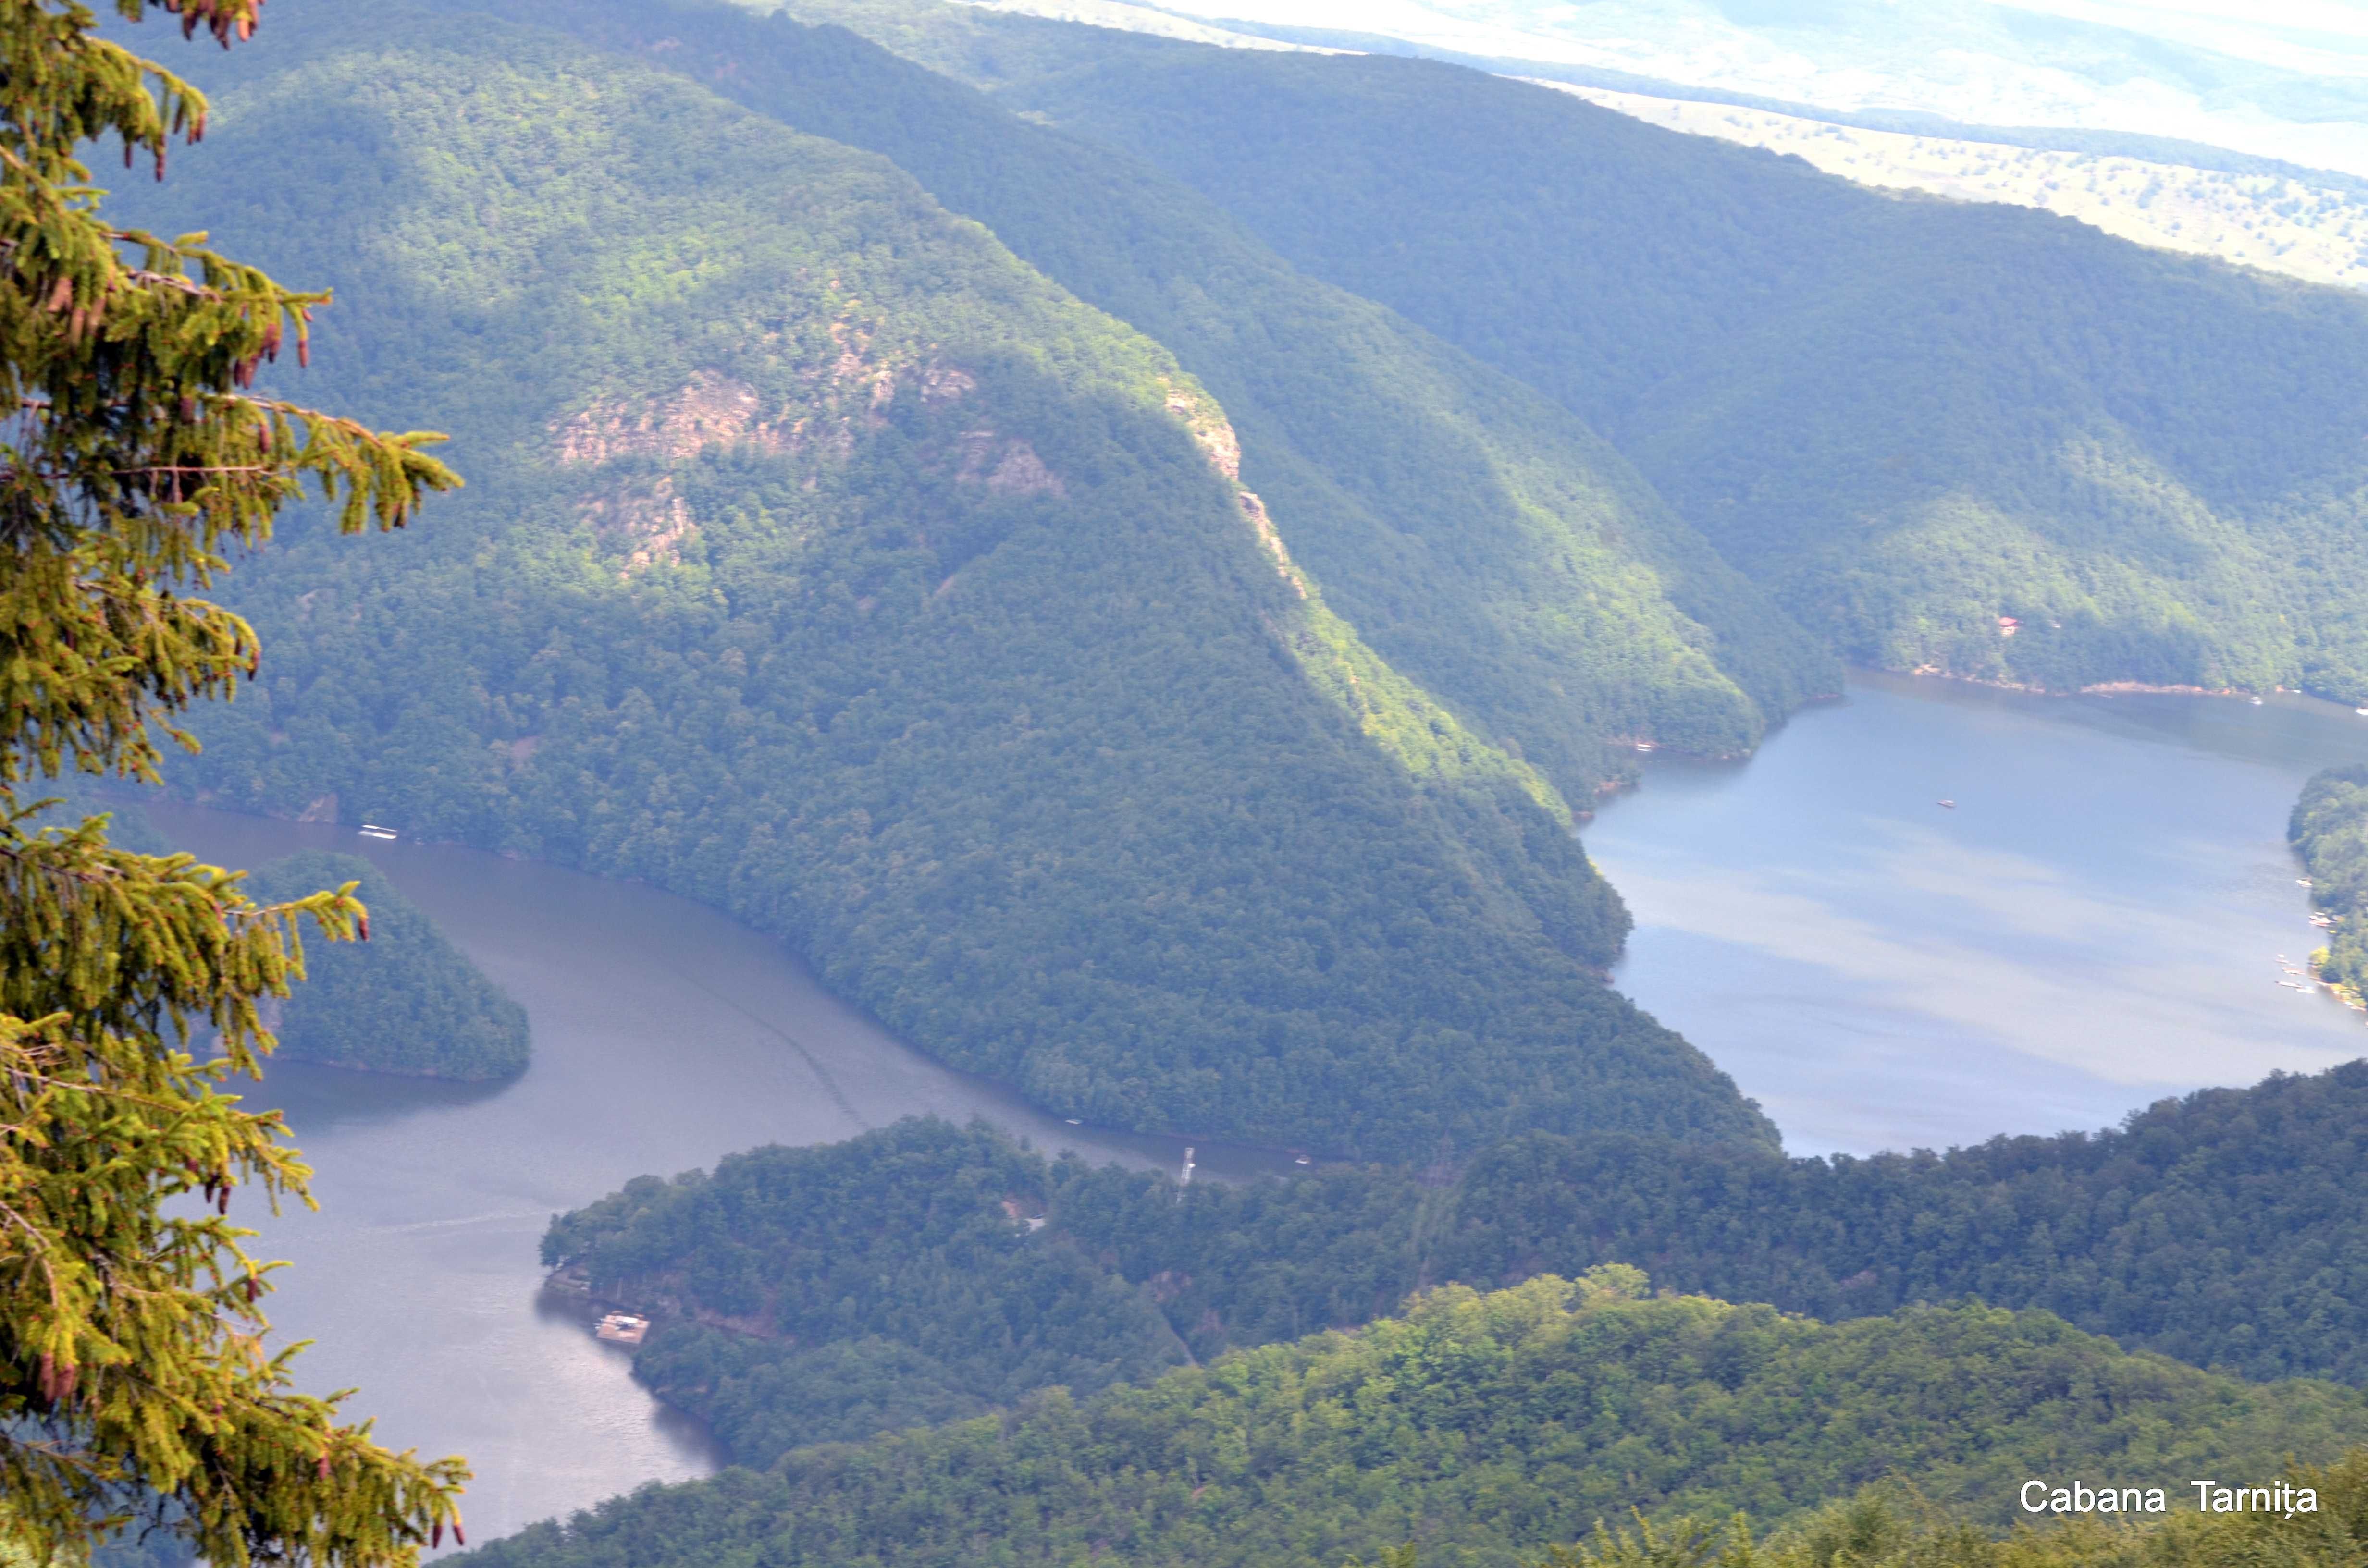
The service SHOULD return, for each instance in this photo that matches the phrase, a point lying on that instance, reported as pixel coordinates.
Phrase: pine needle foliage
(135, 452)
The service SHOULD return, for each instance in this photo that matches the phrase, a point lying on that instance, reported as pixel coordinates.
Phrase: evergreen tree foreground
(136, 451)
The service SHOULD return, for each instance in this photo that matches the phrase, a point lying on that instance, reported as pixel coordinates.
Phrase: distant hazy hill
(823, 560)
(2178, 194)
(1925, 424)
(1481, 1428)
(2282, 222)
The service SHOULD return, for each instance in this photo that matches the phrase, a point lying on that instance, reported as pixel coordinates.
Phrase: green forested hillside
(824, 561)
(406, 1000)
(1909, 418)
(2225, 1229)
(2330, 831)
(1483, 1427)
(1481, 538)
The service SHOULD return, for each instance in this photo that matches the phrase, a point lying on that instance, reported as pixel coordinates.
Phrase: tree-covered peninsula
(2329, 831)
(2225, 1229)
(406, 1000)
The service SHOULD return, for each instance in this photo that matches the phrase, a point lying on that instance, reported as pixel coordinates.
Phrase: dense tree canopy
(2225, 1229)
(1559, 600)
(1484, 1428)
(136, 451)
(1892, 1525)
(813, 1294)
(406, 1002)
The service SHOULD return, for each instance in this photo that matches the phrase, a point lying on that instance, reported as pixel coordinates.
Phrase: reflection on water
(666, 1036)
(2097, 921)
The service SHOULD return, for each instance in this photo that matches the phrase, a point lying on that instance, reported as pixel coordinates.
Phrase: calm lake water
(2094, 926)
(2099, 922)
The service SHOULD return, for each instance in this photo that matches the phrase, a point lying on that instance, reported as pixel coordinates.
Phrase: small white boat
(1073, 1122)
(2257, 702)
(373, 830)
(2362, 711)
(1303, 1160)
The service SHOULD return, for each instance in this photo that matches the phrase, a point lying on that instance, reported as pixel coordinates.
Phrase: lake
(2099, 921)
(2093, 925)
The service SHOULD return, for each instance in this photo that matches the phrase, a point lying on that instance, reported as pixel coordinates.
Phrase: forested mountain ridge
(1922, 425)
(1481, 1428)
(1479, 537)
(2224, 1229)
(835, 568)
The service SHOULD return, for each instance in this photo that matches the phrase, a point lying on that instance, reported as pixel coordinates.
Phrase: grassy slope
(1482, 1427)
(825, 562)
(1482, 539)
(1908, 417)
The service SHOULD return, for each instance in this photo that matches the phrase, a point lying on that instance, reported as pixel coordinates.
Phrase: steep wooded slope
(1481, 538)
(1481, 1428)
(1910, 418)
(825, 562)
